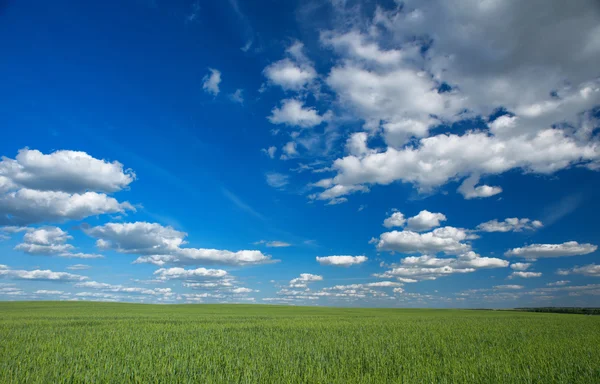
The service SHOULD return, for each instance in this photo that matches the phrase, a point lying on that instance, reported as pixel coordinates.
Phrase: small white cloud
(293, 113)
(277, 180)
(586, 270)
(210, 82)
(395, 220)
(520, 266)
(425, 220)
(270, 151)
(237, 96)
(41, 275)
(525, 275)
(341, 261)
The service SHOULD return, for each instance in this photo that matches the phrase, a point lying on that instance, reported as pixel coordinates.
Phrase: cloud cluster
(430, 267)
(586, 270)
(160, 245)
(51, 241)
(60, 186)
(512, 224)
(449, 240)
(304, 279)
(410, 72)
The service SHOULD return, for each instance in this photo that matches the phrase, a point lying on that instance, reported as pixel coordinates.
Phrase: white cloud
(117, 288)
(270, 151)
(289, 150)
(293, 113)
(395, 220)
(425, 220)
(189, 274)
(63, 185)
(277, 244)
(27, 206)
(41, 275)
(512, 224)
(304, 279)
(292, 73)
(78, 267)
(525, 275)
(210, 82)
(430, 268)
(520, 266)
(243, 290)
(50, 241)
(342, 261)
(48, 292)
(559, 283)
(508, 287)
(161, 245)
(277, 180)
(586, 270)
(445, 239)
(64, 171)
(539, 251)
(237, 96)
(469, 189)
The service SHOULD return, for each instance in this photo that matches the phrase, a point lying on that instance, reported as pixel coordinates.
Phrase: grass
(68, 342)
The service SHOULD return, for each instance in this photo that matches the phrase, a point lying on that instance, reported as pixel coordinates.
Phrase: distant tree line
(572, 310)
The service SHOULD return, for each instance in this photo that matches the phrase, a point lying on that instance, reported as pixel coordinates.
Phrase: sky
(321, 152)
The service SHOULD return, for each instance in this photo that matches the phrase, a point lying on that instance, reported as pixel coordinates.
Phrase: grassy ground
(48, 342)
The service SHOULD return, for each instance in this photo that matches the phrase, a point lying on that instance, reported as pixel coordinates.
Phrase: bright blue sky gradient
(129, 82)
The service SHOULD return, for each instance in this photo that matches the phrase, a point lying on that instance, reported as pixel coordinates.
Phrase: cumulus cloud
(293, 113)
(51, 241)
(304, 280)
(395, 220)
(65, 171)
(512, 224)
(446, 239)
(117, 288)
(294, 72)
(520, 266)
(586, 270)
(425, 220)
(210, 82)
(60, 186)
(430, 267)
(539, 251)
(341, 261)
(409, 69)
(40, 275)
(470, 190)
(161, 246)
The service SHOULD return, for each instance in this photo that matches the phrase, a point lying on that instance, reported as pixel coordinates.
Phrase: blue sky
(325, 152)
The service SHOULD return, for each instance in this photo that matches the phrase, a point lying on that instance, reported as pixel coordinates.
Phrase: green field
(68, 342)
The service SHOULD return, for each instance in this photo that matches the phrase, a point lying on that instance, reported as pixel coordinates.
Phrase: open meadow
(69, 342)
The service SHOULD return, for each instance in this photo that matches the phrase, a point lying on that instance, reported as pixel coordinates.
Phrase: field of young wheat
(48, 342)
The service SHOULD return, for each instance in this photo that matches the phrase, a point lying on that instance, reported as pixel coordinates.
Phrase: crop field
(49, 342)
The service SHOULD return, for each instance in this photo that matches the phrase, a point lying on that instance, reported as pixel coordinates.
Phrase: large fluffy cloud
(539, 251)
(423, 65)
(446, 239)
(161, 246)
(341, 261)
(60, 186)
(66, 171)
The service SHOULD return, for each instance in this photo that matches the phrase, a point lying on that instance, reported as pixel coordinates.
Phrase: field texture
(119, 343)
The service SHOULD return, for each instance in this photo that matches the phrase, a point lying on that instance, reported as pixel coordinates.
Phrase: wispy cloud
(240, 204)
